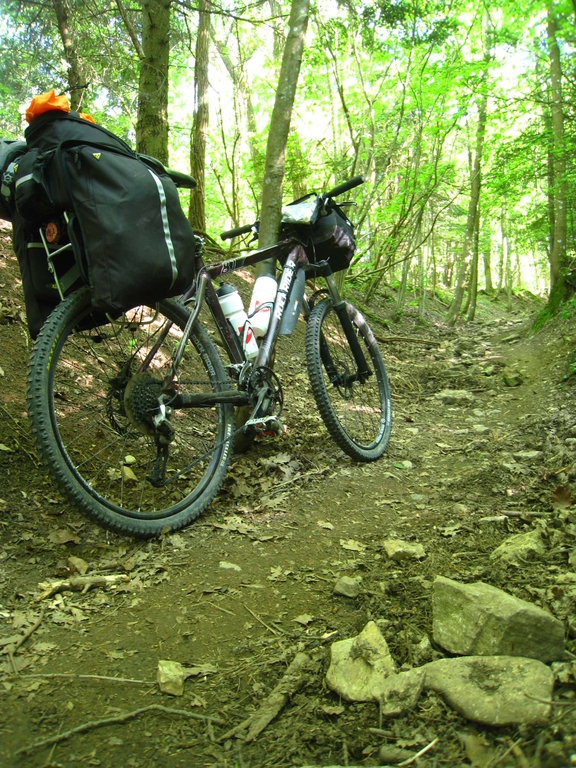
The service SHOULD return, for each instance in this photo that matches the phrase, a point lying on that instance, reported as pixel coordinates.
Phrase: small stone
(229, 566)
(398, 694)
(480, 429)
(78, 565)
(128, 475)
(359, 664)
(396, 549)
(171, 676)
(512, 378)
(347, 586)
(424, 650)
(129, 460)
(455, 397)
(521, 547)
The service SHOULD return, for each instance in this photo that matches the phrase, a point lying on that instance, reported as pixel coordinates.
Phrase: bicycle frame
(203, 291)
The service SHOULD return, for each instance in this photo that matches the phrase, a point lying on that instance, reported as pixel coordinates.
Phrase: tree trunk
(152, 123)
(76, 76)
(279, 128)
(473, 288)
(487, 259)
(475, 187)
(197, 211)
(559, 186)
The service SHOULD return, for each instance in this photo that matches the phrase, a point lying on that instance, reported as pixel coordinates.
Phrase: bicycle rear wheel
(357, 414)
(92, 396)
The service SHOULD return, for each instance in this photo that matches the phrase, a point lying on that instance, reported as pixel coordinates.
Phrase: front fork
(363, 370)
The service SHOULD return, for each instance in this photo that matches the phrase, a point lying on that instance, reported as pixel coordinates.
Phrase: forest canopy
(460, 116)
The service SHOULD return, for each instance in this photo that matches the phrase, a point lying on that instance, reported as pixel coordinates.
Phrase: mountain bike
(135, 416)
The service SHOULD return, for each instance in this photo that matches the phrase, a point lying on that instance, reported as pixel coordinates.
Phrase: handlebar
(229, 234)
(338, 190)
(345, 186)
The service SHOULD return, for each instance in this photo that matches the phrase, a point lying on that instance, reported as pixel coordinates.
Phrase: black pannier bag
(132, 241)
(10, 153)
(49, 271)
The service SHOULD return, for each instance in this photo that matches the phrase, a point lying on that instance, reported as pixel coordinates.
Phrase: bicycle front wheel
(356, 411)
(93, 387)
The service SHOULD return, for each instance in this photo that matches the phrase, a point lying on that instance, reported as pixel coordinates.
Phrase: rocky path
(303, 549)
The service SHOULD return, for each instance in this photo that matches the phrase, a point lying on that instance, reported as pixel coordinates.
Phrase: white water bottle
(233, 308)
(262, 303)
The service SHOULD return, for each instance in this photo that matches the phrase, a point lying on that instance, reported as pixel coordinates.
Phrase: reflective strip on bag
(166, 226)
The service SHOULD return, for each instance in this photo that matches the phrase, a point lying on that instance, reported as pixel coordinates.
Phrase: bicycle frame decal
(283, 289)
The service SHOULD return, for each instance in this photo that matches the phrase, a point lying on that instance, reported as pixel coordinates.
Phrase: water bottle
(262, 303)
(233, 308)
(293, 305)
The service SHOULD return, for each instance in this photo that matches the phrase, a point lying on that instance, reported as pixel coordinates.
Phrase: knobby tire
(357, 415)
(95, 436)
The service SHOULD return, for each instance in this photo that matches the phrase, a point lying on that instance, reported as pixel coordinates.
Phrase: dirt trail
(239, 593)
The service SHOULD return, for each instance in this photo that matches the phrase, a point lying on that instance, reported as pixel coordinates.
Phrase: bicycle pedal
(262, 428)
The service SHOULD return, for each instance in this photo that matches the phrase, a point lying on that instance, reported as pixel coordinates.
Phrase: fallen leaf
(304, 619)
(229, 566)
(561, 498)
(324, 524)
(5, 448)
(64, 536)
(202, 669)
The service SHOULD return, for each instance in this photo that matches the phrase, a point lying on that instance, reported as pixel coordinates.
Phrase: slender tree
(197, 213)
(152, 124)
(558, 151)
(280, 126)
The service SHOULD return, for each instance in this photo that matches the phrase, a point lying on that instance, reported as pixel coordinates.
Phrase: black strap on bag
(11, 151)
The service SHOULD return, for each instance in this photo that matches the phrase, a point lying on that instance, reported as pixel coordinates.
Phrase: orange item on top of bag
(86, 116)
(46, 102)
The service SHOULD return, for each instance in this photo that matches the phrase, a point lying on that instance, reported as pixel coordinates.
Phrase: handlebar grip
(345, 186)
(236, 232)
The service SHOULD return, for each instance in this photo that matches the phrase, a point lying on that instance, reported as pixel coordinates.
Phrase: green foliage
(388, 89)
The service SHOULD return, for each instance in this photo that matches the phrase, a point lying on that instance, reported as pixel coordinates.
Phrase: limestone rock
(347, 586)
(481, 620)
(359, 664)
(512, 378)
(522, 546)
(396, 549)
(171, 676)
(496, 690)
(398, 694)
(455, 397)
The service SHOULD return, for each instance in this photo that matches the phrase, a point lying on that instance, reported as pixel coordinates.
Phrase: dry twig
(419, 754)
(11, 648)
(79, 584)
(92, 724)
(291, 681)
(49, 675)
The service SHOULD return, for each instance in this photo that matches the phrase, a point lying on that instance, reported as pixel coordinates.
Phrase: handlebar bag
(132, 241)
(332, 240)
